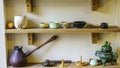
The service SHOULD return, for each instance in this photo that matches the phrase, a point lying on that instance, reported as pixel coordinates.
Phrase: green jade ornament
(106, 54)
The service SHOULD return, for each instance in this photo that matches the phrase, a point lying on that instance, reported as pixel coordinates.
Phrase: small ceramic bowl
(66, 25)
(79, 24)
(44, 25)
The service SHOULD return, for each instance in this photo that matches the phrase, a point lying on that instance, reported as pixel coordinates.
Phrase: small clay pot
(104, 25)
(66, 25)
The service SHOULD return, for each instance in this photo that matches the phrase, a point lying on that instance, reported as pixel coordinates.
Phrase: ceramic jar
(20, 22)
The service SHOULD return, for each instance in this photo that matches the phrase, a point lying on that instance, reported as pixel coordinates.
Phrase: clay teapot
(19, 59)
(106, 47)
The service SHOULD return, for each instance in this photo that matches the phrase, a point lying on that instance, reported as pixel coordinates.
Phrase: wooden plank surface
(70, 30)
(69, 66)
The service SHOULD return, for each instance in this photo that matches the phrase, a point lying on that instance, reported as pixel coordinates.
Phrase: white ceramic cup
(94, 62)
(20, 22)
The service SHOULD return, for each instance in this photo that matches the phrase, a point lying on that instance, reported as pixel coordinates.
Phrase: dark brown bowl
(79, 24)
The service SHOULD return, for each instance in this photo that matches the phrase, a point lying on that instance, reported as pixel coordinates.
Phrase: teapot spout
(28, 53)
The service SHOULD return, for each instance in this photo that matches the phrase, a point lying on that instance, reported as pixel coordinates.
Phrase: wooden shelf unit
(94, 32)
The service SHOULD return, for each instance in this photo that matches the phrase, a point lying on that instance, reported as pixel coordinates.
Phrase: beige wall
(67, 46)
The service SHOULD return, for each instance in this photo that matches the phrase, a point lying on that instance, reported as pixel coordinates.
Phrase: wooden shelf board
(61, 30)
(72, 65)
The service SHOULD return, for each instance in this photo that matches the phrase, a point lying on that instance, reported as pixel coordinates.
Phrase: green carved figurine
(106, 54)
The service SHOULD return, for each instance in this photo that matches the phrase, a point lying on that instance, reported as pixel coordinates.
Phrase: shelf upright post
(30, 38)
(95, 38)
(94, 4)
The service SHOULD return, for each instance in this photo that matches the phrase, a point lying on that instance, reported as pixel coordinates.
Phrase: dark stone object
(47, 63)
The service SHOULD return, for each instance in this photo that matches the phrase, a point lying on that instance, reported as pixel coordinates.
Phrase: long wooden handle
(49, 40)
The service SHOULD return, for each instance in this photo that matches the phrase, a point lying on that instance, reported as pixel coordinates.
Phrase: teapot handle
(49, 40)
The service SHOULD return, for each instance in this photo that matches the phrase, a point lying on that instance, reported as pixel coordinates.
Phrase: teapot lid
(106, 47)
(17, 47)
